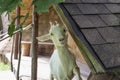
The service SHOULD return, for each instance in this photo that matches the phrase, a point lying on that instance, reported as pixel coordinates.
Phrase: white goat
(62, 62)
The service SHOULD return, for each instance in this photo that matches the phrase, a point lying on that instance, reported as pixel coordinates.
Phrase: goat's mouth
(62, 42)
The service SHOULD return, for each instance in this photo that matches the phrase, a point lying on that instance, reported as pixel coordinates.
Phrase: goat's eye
(64, 30)
(51, 34)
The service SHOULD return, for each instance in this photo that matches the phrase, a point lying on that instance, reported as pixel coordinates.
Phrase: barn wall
(75, 49)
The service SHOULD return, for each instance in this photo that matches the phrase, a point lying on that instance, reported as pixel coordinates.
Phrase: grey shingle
(92, 1)
(72, 8)
(89, 1)
(110, 34)
(96, 21)
(93, 8)
(72, 1)
(93, 36)
(89, 21)
(87, 8)
(101, 8)
(77, 1)
(68, 1)
(114, 1)
(95, 1)
(109, 54)
(102, 1)
(114, 8)
(111, 19)
(118, 15)
(82, 21)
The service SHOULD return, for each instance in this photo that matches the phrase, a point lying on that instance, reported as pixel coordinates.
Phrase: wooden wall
(44, 27)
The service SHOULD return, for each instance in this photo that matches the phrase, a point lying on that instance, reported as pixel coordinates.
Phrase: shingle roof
(99, 21)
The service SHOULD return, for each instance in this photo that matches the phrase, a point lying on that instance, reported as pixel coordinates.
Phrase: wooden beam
(5, 36)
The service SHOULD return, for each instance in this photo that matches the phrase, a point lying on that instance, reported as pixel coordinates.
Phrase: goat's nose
(61, 39)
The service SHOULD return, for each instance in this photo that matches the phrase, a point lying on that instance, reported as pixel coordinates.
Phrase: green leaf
(20, 26)
(8, 5)
(12, 28)
(42, 6)
(25, 18)
(17, 17)
(21, 4)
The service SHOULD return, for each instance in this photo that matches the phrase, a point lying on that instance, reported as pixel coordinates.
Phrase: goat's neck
(65, 55)
(63, 50)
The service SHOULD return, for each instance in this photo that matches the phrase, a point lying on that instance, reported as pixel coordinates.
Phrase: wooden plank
(42, 43)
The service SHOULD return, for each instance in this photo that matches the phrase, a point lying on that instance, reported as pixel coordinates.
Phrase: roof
(99, 23)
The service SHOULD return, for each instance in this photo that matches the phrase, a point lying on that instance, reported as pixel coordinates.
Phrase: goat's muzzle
(61, 39)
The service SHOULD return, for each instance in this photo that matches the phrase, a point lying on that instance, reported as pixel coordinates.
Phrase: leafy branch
(41, 6)
(12, 28)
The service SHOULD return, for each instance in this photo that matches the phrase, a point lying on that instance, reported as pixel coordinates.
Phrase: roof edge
(91, 61)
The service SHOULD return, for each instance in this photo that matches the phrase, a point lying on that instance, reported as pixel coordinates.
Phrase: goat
(62, 62)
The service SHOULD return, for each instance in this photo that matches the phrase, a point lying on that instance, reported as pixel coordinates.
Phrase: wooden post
(17, 46)
(34, 45)
(19, 50)
(16, 35)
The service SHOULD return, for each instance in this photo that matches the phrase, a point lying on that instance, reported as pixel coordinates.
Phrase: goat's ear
(43, 38)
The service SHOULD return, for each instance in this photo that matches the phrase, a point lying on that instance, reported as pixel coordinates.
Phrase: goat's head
(57, 34)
